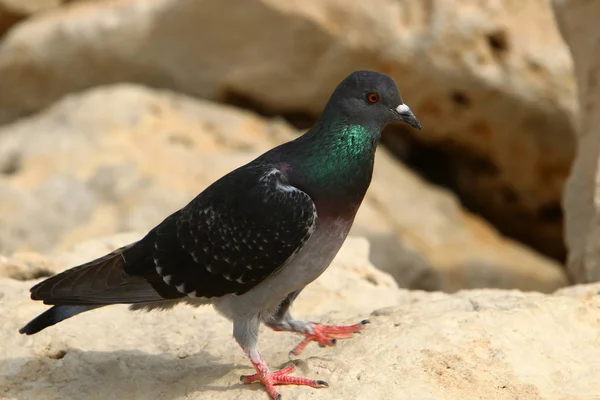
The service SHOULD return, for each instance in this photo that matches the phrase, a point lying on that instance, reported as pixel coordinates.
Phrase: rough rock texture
(122, 158)
(491, 80)
(482, 344)
(32, 6)
(579, 24)
(14, 11)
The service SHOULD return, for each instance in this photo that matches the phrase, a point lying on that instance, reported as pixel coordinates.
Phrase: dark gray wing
(235, 234)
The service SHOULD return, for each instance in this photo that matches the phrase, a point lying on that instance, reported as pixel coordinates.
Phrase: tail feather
(82, 281)
(99, 283)
(53, 316)
(102, 281)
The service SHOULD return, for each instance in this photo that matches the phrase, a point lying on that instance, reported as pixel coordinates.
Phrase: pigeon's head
(371, 97)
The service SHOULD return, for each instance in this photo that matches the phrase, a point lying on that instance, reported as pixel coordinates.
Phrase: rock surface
(14, 11)
(121, 158)
(487, 344)
(491, 80)
(578, 21)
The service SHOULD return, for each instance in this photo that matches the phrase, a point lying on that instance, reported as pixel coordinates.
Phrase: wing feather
(235, 234)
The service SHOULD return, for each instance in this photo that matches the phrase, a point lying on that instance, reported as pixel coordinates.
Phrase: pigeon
(250, 242)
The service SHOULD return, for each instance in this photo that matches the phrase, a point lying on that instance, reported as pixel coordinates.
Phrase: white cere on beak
(402, 108)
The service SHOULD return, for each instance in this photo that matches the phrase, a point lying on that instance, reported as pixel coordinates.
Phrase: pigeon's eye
(372, 97)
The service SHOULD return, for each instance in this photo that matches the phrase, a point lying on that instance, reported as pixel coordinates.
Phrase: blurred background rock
(115, 113)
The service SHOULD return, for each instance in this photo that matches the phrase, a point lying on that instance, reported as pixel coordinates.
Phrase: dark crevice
(460, 99)
(41, 273)
(447, 166)
(432, 163)
(498, 43)
(8, 19)
(509, 196)
(11, 165)
(300, 120)
(31, 273)
(551, 212)
(57, 355)
(239, 100)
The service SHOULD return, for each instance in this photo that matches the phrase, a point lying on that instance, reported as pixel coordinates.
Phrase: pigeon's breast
(316, 255)
(306, 266)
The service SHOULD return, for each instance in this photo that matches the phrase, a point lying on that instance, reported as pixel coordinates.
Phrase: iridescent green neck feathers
(340, 159)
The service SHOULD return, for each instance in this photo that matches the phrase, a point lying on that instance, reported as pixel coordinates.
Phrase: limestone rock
(578, 22)
(14, 11)
(25, 266)
(487, 344)
(121, 158)
(32, 6)
(9, 17)
(491, 80)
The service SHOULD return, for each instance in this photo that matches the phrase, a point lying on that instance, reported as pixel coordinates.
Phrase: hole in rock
(11, 165)
(9, 19)
(550, 212)
(41, 273)
(57, 355)
(465, 173)
(30, 274)
(498, 42)
(299, 119)
(460, 99)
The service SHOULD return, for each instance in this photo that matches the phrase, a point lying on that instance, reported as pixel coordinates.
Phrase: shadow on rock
(77, 374)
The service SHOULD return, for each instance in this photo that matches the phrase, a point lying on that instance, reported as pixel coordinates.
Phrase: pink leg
(280, 377)
(327, 335)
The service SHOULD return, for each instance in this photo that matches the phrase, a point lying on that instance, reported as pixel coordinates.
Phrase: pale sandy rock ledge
(491, 81)
(479, 344)
(122, 157)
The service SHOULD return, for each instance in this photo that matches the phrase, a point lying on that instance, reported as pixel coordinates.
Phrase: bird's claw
(281, 377)
(327, 335)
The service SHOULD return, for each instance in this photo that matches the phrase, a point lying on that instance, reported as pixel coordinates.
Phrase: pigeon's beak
(406, 115)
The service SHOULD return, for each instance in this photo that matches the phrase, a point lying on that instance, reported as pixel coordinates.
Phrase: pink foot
(279, 377)
(327, 335)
